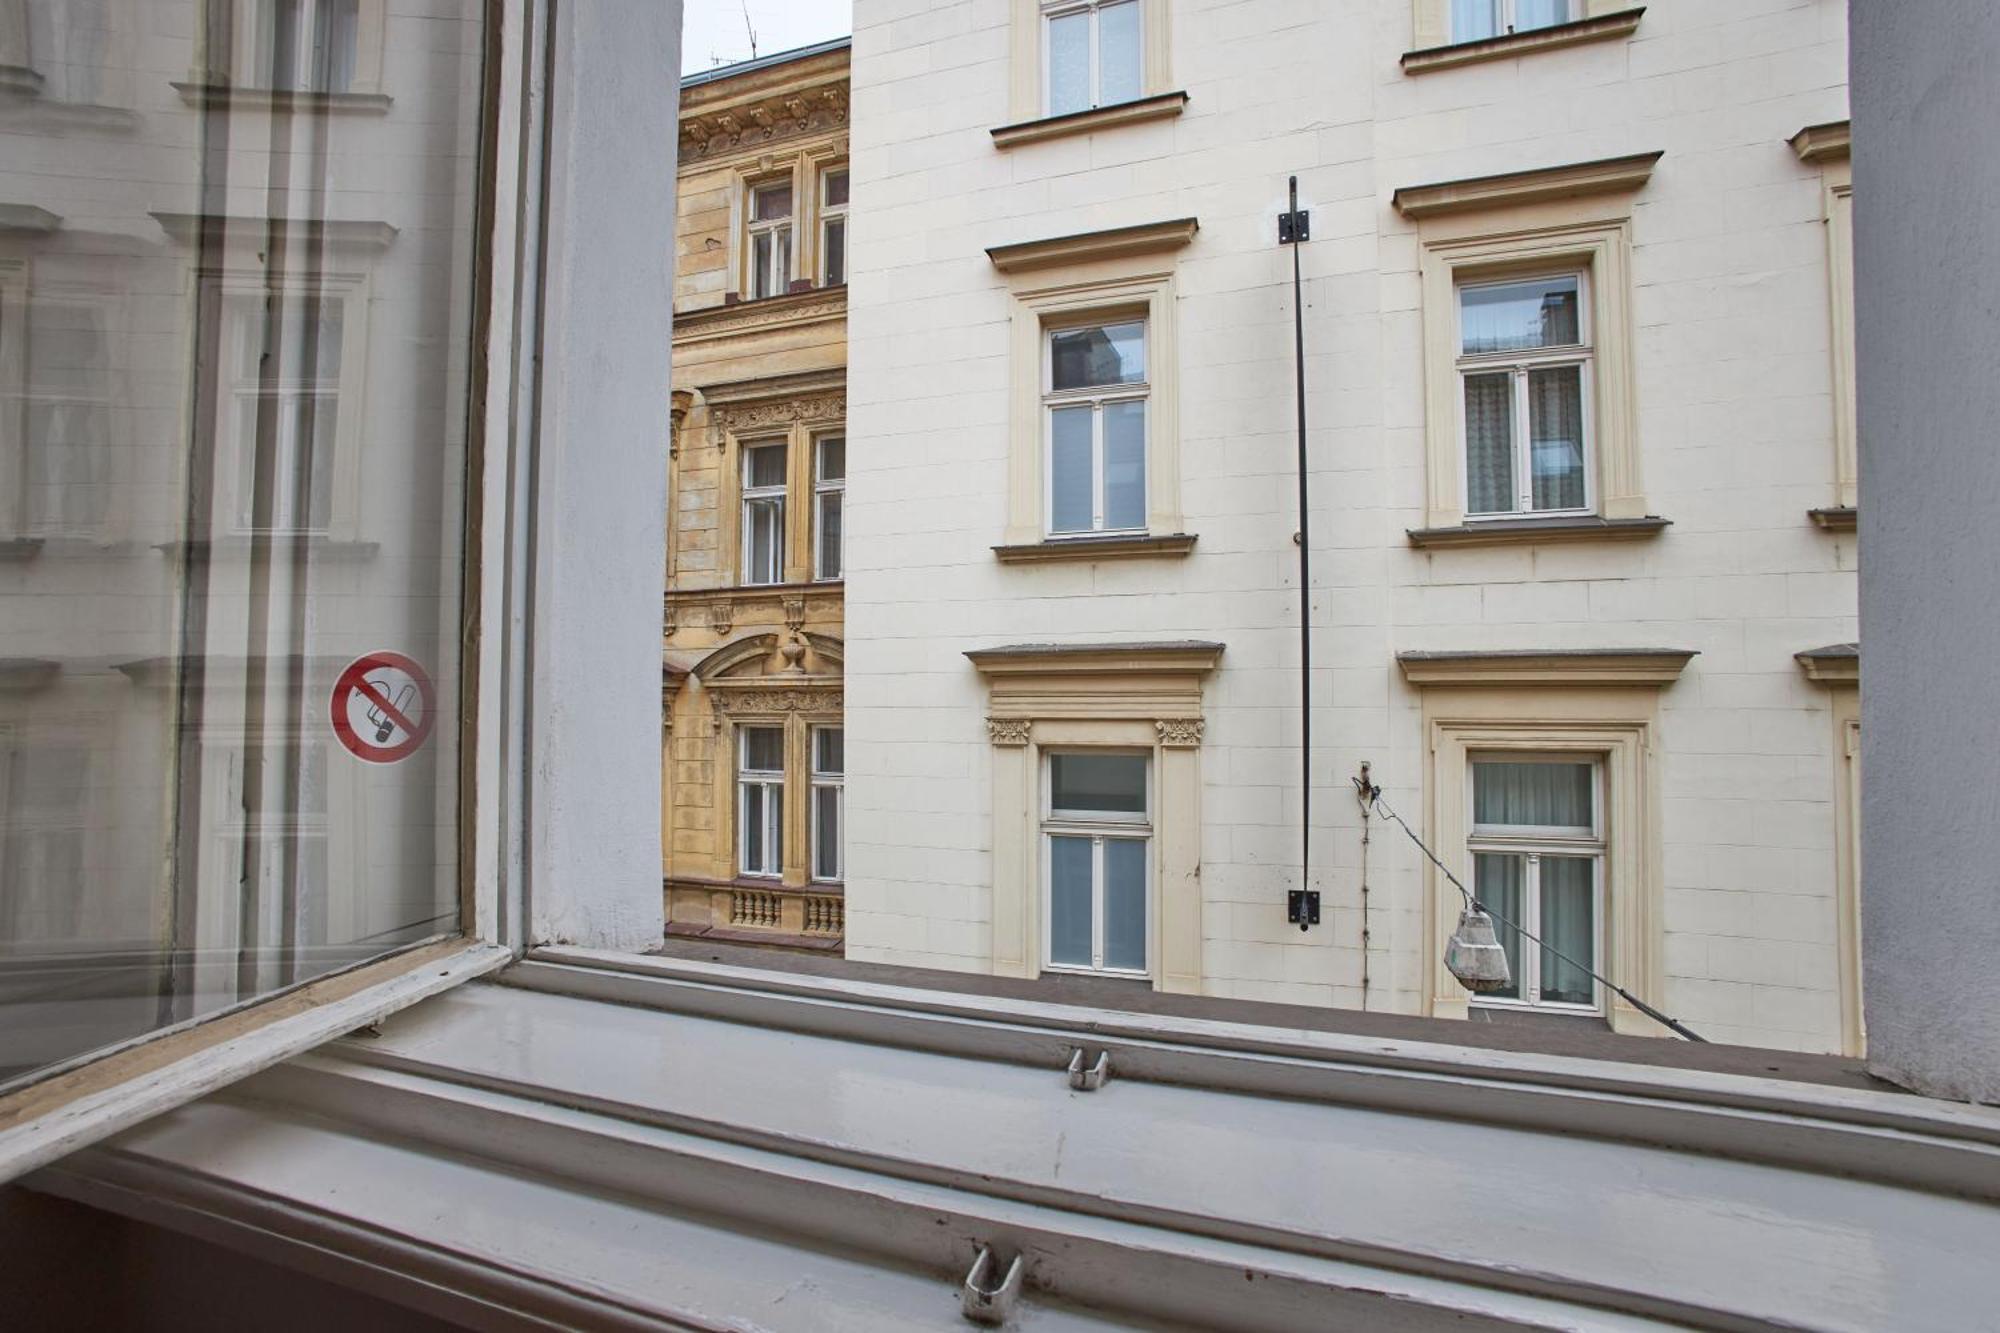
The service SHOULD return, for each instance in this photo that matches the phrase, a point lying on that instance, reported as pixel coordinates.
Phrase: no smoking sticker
(383, 706)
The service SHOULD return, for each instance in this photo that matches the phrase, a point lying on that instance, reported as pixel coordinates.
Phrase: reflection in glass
(1069, 901)
(1125, 464)
(232, 452)
(1519, 316)
(1125, 903)
(1098, 783)
(1110, 354)
(1070, 502)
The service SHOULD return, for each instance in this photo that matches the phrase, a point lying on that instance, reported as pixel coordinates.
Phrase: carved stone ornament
(777, 117)
(721, 615)
(741, 417)
(1009, 730)
(750, 700)
(1178, 732)
(795, 612)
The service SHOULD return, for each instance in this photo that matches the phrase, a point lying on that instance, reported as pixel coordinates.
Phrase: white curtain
(1489, 443)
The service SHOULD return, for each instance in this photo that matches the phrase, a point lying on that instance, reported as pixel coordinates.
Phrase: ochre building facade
(752, 746)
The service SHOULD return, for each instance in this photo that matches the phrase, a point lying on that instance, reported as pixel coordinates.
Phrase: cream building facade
(752, 764)
(1578, 368)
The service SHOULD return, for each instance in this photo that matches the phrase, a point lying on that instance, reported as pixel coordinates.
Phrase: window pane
(763, 749)
(832, 458)
(1069, 901)
(781, 272)
(1532, 795)
(1118, 53)
(1517, 316)
(764, 560)
(836, 189)
(760, 264)
(755, 812)
(829, 535)
(829, 751)
(1070, 506)
(166, 383)
(772, 203)
(833, 250)
(764, 466)
(1499, 883)
(826, 833)
(1069, 64)
(1098, 783)
(1473, 19)
(1089, 357)
(1489, 443)
(1125, 465)
(1555, 436)
(1540, 13)
(1569, 924)
(1125, 903)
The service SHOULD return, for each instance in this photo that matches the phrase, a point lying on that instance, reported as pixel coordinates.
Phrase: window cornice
(1539, 666)
(1147, 238)
(1612, 175)
(1831, 142)
(1172, 657)
(1597, 28)
(1835, 664)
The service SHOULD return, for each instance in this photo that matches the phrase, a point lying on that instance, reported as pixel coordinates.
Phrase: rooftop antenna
(747, 28)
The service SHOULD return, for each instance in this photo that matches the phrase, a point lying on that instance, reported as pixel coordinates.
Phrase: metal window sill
(1172, 545)
(1599, 28)
(1523, 531)
(1835, 518)
(1163, 106)
(223, 95)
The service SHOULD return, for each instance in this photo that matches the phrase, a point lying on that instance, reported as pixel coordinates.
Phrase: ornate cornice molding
(757, 696)
(750, 125)
(739, 417)
(1009, 730)
(818, 305)
(1613, 175)
(1180, 733)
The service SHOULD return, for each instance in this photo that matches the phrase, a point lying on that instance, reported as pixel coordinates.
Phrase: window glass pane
(761, 247)
(1069, 63)
(755, 821)
(1473, 19)
(836, 189)
(829, 535)
(1499, 882)
(772, 203)
(1489, 443)
(829, 751)
(186, 395)
(1125, 903)
(1070, 505)
(834, 252)
(1100, 355)
(764, 466)
(1069, 901)
(765, 557)
(1555, 436)
(1098, 783)
(1517, 316)
(1569, 924)
(781, 262)
(832, 458)
(763, 750)
(826, 833)
(1532, 795)
(1118, 53)
(1540, 13)
(1125, 465)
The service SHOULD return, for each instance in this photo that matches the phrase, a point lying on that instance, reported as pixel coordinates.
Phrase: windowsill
(242, 543)
(1164, 106)
(764, 939)
(1835, 518)
(223, 95)
(1524, 531)
(1174, 545)
(16, 549)
(828, 888)
(1601, 28)
(753, 589)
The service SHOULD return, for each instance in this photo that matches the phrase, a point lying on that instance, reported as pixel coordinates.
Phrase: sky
(713, 32)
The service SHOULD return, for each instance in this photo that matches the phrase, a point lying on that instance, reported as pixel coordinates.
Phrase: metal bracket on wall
(1295, 225)
(1091, 1079)
(1302, 907)
(984, 1304)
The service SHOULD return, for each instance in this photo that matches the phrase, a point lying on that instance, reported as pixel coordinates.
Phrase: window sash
(763, 540)
(828, 792)
(832, 224)
(1529, 966)
(829, 494)
(1522, 442)
(1507, 16)
(1094, 51)
(1097, 398)
(1099, 839)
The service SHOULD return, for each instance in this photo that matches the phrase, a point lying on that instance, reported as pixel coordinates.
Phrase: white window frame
(1099, 827)
(1533, 843)
(1055, 9)
(823, 488)
(763, 495)
(1521, 363)
(1508, 11)
(837, 783)
(305, 70)
(830, 214)
(1096, 397)
(777, 273)
(245, 319)
(770, 835)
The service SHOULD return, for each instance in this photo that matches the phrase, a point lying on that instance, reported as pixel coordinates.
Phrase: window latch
(1091, 1079)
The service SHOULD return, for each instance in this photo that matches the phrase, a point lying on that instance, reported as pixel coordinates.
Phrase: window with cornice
(1084, 65)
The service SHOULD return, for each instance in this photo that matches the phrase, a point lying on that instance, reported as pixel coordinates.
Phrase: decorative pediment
(1152, 682)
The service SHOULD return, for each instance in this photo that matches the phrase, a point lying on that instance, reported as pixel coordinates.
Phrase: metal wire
(1372, 796)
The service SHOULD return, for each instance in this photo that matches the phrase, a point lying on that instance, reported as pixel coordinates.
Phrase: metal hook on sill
(990, 1305)
(1091, 1079)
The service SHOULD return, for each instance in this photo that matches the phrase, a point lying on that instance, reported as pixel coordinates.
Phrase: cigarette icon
(382, 722)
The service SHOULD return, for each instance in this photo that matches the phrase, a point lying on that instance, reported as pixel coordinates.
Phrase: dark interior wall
(66, 1266)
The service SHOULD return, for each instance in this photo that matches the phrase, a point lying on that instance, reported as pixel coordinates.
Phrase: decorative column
(1016, 921)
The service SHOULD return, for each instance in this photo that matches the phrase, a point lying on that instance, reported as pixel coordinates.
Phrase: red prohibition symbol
(383, 707)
